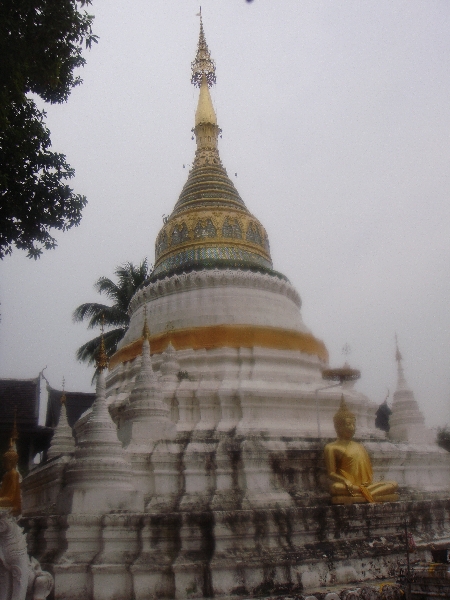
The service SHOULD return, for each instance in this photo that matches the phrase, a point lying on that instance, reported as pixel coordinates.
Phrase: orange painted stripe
(225, 336)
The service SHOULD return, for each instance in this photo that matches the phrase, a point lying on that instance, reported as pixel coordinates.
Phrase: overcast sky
(335, 117)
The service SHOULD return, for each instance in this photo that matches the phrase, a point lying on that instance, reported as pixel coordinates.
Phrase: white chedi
(146, 417)
(407, 423)
(170, 367)
(99, 477)
(62, 441)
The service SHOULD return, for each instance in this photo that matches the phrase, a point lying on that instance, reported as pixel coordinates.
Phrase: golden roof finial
(11, 453)
(102, 359)
(63, 397)
(145, 330)
(14, 433)
(203, 65)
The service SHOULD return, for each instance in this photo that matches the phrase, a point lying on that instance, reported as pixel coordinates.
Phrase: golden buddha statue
(349, 467)
(10, 496)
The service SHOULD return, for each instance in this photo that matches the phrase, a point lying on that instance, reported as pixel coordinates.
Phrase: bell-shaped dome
(210, 226)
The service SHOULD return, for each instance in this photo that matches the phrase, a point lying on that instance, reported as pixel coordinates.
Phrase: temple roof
(210, 226)
(19, 395)
(76, 404)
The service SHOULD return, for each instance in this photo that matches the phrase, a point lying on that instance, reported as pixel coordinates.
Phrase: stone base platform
(361, 500)
(238, 553)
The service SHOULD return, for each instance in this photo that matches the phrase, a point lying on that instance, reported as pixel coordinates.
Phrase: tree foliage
(41, 43)
(129, 278)
(443, 437)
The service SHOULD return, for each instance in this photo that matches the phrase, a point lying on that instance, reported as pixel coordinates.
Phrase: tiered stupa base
(215, 553)
(227, 514)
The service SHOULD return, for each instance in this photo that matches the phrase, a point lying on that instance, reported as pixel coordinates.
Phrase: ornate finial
(203, 66)
(63, 397)
(145, 330)
(102, 359)
(398, 356)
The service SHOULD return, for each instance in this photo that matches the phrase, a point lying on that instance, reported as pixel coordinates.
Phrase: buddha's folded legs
(383, 488)
(382, 491)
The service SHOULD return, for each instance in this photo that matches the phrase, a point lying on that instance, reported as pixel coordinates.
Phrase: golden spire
(210, 224)
(102, 359)
(145, 330)
(63, 397)
(203, 66)
(205, 112)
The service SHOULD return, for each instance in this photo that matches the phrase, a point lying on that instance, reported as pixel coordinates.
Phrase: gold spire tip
(102, 358)
(63, 397)
(145, 329)
(203, 65)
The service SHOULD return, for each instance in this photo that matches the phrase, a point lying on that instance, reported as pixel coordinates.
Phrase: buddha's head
(344, 421)
(10, 458)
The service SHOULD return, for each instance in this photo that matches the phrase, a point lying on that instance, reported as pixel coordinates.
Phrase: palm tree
(130, 277)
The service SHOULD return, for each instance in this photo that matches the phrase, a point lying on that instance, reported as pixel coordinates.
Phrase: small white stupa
(146, 416)
(99, 476)
(62, 441)
(407, 423)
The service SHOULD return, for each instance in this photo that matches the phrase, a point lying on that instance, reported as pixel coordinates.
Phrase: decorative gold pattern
(199, 227)
(225, 336)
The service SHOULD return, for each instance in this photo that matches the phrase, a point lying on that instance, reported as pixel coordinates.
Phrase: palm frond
(104, 285)
(130, 278)
(88, 311)
(88, 351)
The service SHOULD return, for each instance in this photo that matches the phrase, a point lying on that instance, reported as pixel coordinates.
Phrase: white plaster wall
(275, 391)
(215, 298)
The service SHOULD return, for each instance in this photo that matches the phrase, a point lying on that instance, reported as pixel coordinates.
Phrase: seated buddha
(10, 489)
(349, 467)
